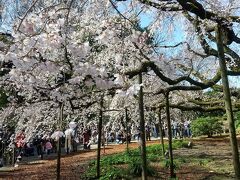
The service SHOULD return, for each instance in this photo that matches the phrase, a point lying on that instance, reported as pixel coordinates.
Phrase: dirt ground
(216, 150)
(213, 160)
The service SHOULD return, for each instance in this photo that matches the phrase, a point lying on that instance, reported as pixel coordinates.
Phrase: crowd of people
(181, 129)
(83, 136)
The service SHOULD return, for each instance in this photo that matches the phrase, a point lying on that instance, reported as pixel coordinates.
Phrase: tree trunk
(172, 174)
(99, 137)
(228, 103)
(161, 131)
(142, 131)
(61, 105)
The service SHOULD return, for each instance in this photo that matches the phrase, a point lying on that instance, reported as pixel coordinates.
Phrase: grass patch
(127, 165)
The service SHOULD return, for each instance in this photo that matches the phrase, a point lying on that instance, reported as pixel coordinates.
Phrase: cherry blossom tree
(69, 51)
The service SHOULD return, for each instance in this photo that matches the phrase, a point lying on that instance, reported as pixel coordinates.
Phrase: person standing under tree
(20, 142)
(148, 132)
(86, 138)
(48, 146)
(38, 142)
(68, 140)
(187, 132)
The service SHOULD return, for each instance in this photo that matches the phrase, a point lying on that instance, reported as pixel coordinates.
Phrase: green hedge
(207, 126)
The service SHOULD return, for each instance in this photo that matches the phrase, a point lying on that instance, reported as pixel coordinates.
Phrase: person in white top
(174, 128)
(68, 139)
(186, 125)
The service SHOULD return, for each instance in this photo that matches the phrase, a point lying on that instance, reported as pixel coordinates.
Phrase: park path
(72, 165)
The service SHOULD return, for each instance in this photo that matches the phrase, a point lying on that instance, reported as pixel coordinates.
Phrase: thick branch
(148, 64)
(186, 107)
(163, 6)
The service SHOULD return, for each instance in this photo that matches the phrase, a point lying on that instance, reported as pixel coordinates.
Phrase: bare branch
(25, 15)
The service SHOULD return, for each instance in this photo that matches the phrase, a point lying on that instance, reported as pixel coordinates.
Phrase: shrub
(167, 163)
(115, 159)
(112, 172)
(179, 144)
(154, 149)
(237, 122)
(207, 126)
(107, 172)
(135, 167)
(153, 157)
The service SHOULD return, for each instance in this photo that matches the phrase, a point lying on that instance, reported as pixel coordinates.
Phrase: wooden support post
(99, 137)
(127, 130)
(161, 130)
(228, 103)
(61, 105)
(172, 174)
(142, 130)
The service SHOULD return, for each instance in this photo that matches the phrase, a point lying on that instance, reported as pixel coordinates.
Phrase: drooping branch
(26, 13)
(87, 105)
(146, 65)
(205, 84)
(163, 6)
(120, 14)
(195, 7)
(197, 106)
(227, 51)
(206, 103)
(195, 52)
(206, 47)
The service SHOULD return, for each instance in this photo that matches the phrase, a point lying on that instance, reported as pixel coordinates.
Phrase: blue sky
(8, 15)
(178, 36)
